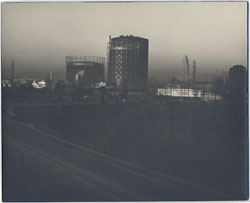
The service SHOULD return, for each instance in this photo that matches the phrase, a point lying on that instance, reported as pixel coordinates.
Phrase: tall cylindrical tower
(128, 62)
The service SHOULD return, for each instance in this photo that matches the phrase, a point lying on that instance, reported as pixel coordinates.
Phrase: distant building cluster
(125, 70)
(127, 65)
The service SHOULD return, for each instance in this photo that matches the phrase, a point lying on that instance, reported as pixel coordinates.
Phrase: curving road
(40, 167)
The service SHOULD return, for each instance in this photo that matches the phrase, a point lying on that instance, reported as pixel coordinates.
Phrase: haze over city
(38, 36)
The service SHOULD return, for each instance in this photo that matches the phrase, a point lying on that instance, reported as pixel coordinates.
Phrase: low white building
(100, 84)
(39, 84)
(6, 83)
(182, 92)
(178, 92)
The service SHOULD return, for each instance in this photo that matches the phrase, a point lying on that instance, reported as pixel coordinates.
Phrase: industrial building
(128, 62)
(237, 82)
(39, 84)
(85, 71)
(188, 93)
(178, 92)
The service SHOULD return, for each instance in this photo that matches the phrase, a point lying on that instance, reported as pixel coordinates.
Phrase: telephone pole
(172, 137)
(194, 79)
(187, 63)
(12, 76)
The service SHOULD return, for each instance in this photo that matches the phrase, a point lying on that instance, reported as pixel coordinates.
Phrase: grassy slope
(201, 149)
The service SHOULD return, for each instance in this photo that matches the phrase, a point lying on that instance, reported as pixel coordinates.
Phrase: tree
(219, 87)
(59, 90)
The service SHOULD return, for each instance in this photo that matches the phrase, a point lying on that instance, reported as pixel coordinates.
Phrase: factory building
(178, 92)
(238, 83)
(128, 62)
(85, 71)
(187, 93)
(39, 84)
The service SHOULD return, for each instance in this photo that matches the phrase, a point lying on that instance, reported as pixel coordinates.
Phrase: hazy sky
(38, 36)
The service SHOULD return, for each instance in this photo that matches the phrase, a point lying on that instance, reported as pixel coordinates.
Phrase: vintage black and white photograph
(124, 101)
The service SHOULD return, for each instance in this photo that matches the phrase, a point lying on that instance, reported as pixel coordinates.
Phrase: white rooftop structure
(39, 84)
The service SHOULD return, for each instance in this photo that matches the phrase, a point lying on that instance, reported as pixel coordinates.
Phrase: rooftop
(128, 37)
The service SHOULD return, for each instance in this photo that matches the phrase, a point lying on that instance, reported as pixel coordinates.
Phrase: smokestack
(194, 74)
(50, 76)
(194, 71)
(187, 63)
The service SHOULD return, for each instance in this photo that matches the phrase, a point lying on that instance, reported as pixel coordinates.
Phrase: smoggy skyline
(38, 36)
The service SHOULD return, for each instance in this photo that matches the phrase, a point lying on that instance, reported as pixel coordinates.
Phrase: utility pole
(141, 123)
(117, 116)
(172, 136)
(194, 73)
(12, 76)
(102, 89)
(187, 63)
(194, 79)
(203, 92)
